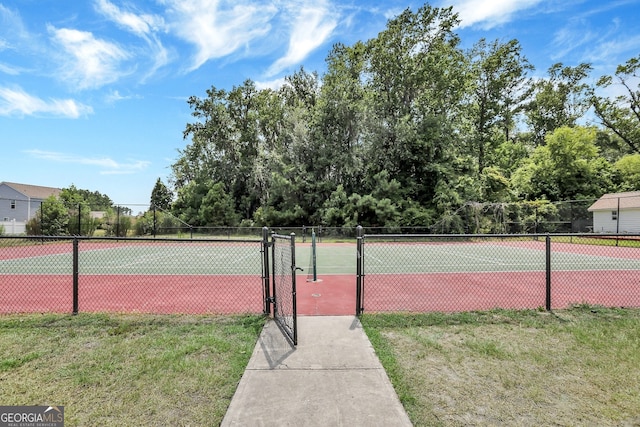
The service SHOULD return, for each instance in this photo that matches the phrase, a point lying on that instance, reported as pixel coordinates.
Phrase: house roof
(613, 201)
(33, 191)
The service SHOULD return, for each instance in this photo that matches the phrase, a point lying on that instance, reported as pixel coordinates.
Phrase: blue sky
(93, 92)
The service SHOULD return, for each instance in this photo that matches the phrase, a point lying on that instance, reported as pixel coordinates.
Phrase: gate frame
(292, 334)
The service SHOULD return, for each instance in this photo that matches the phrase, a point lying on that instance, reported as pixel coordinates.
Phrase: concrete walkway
(332, 378)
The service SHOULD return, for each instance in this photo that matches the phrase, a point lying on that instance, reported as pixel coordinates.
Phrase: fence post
(41, 221)
(118, 222)
(618, 222)
(75, 275)
(79, 219)
(548, 276)
(266, 277)
(359, 259)
(293, 288)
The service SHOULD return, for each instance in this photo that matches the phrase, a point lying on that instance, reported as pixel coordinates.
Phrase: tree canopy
(402, 130)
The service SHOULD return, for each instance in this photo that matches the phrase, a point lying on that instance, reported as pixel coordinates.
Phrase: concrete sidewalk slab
(332, 378)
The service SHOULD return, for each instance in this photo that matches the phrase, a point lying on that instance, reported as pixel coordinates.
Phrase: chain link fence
(395, 272)
(74, 274)
(284, 284)
(481, 272)
(144, 221)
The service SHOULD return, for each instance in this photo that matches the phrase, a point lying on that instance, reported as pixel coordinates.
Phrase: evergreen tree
(161, 197)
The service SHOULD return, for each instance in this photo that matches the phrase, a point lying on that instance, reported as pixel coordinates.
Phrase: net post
(313, 255)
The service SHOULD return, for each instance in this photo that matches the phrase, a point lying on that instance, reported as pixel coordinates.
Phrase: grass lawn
(126, 370)
(574, 367)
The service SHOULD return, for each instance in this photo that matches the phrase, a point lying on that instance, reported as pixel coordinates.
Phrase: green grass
(126, 370)
(572, 367)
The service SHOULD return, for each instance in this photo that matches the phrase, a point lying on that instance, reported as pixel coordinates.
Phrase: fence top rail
(283, 236)
(499, 236)
(125, 239)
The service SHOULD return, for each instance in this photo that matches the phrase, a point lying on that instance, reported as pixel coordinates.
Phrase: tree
(414, 88)
(116, 224)
(188, 202)
(52, 219)
(217, 208)
(95, 200)
(622, 113)
(567, 167)
(336, 130)
(78, 210)
(238, 138)
(498, 79)
(558, 100)
(629, 169)
(161, 197)
(402, 129)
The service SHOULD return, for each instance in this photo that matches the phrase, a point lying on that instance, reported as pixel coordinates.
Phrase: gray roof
(611, 201)
(33, 191)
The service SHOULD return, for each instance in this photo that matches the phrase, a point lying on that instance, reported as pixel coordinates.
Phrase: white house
(617, 213)
(20, 202)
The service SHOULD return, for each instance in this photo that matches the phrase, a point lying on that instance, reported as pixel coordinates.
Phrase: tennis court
(435, 274)
(134, 276)
(452, 274)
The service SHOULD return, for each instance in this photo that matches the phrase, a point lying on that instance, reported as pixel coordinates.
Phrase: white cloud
(489, 13)
(601, 43)
(608, 51)
(140, 24)
(10, 69)
(18, 102)
(312, 26)
(218, 28)
(143, 25)
(571, 37)
(11, 28)
(90, 62)
(109, 166)
(115, 96)
(271, 84)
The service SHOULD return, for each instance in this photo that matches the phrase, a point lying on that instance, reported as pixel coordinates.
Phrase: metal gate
(283, 297)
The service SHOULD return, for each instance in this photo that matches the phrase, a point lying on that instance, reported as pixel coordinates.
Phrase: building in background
(20, 202)
(617, 213)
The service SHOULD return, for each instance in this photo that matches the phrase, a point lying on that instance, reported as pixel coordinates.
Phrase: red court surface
(331, 295)
(189, 294)
(450, 292)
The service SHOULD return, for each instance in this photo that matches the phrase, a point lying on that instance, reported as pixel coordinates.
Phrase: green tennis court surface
(225, 259)
(226, 277)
